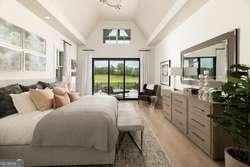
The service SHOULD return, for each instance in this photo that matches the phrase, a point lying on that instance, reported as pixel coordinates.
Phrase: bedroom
(86, 63)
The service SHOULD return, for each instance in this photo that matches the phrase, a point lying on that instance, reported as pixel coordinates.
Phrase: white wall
(15, 13)
(95, 41)
(214, 18)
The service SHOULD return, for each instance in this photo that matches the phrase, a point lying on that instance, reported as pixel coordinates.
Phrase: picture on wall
(165, 78)
(10, 60)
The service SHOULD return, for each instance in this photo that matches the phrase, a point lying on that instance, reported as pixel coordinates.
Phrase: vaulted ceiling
(83, 15)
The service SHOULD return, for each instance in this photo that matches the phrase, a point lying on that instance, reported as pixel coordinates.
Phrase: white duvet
(17, 129)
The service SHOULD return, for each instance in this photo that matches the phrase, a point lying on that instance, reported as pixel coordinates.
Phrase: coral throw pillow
(73, 96)
(60, 90)
(42, 98)
(61, 100)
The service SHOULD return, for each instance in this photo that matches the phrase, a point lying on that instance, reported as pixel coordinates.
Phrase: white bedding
(17, 129)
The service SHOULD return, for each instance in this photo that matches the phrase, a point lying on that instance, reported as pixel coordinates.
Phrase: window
(21, 50)
(116, 36)
(59, 65)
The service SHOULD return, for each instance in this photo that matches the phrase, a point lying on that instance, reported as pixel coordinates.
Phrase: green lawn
(115, 78)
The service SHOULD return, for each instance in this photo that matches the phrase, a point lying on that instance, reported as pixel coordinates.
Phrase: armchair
(146, 94)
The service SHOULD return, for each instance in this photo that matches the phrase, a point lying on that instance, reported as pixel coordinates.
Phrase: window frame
(116, 41)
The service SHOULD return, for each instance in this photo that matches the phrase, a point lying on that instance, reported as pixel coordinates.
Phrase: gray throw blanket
(90, 122)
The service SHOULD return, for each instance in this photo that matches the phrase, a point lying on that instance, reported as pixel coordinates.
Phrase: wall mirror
(213, 57)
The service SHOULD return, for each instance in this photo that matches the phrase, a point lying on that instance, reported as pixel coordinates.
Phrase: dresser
(189, 115)
(179, 111)
(167, 103)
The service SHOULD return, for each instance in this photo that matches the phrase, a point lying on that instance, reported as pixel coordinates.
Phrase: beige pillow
(61, 100)
(23, 102)
(42, 98)
(60, 90)
(73, 96)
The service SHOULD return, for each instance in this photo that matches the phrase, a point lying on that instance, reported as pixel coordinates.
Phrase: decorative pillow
(42, 98)
(27, 88)
(6, 104)
(60, 90)
(23, 102)
(45, 84)
(73, 96)
(61, 100)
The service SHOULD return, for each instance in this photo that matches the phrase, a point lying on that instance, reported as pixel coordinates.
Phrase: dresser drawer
(179, 112)
(166, 100)
(200, 123)
(199, 107)
(199, 138)
(180, 124)
(179, 100)
(166, 92)
(166, 110)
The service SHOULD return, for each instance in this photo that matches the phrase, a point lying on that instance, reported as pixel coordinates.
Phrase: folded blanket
(90, 122)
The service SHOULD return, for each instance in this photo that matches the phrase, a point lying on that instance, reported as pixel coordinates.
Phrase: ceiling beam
(43, 8)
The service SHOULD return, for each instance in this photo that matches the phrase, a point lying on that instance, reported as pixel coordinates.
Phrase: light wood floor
(180, 151)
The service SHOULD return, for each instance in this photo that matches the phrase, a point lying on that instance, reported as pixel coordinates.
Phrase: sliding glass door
(116, 77)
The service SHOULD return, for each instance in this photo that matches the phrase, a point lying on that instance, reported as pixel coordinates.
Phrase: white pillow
(23, 102)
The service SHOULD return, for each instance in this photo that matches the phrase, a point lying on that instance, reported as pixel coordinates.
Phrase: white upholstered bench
(129, 121)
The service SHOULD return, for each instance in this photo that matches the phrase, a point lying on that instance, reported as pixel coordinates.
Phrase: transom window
(116, 36)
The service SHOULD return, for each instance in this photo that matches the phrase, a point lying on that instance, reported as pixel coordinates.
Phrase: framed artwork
(165, 78)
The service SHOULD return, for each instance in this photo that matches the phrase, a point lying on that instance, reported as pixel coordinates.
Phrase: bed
(81, 133)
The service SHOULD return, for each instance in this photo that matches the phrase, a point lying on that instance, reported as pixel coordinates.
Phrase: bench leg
(120, 139)
(141, 140)
(139, 147)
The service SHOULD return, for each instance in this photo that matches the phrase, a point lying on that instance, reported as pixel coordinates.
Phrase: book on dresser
(189, 115)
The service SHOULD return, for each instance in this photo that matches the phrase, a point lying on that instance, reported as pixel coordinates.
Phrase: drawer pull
(178, 111)
(198, 122)
(198, 136)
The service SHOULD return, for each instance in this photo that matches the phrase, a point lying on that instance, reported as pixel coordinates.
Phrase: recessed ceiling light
(47, 17)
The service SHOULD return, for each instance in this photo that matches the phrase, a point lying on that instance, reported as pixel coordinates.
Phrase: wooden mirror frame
(232, 54)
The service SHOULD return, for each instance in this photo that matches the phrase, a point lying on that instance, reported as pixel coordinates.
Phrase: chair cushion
(6, 105)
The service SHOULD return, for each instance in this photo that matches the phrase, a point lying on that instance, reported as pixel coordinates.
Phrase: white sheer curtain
(145, 66)
(88, 73)
(85, 71)
(68, 52)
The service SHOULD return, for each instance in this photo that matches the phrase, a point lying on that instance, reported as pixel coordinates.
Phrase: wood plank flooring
(179, 149)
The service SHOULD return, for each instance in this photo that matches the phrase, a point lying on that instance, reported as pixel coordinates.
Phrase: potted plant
(235, 119)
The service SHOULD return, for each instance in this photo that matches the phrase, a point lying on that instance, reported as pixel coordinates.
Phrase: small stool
(130, 121)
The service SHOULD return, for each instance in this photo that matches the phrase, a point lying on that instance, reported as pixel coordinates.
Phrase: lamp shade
(190, 71)
(176, 71)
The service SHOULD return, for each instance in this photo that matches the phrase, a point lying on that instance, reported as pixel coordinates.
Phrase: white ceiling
(84, 14)
(78, 18)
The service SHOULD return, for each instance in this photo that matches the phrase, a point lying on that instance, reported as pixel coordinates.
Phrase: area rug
(152, 156)
(129, 155)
